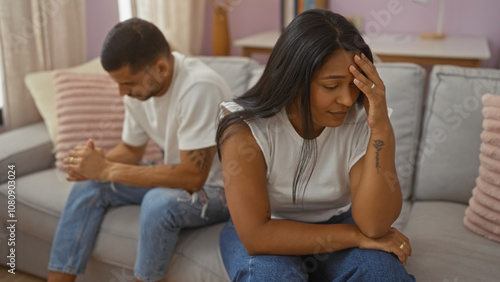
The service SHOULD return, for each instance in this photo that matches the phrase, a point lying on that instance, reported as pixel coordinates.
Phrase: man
(172, 100)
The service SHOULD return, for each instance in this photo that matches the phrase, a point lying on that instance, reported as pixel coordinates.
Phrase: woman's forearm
(285, 237)
(378, 198)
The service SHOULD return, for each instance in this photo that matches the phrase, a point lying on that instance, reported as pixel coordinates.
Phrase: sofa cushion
(40, 199)
(255, 76)
(402, 220)
(236, 71)
(444, 250)
(20, 148)
(448, 155)
(88, 106)
(41, 87)
(405, 85)
(483, 214)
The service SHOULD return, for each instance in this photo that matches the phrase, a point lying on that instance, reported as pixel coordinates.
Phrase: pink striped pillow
(88, 106)
(483, 214)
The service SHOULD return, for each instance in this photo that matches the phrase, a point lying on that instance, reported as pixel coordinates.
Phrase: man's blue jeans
(164, 211)
(346, 265)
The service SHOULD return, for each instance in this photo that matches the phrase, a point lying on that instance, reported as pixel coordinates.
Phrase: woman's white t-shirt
(182, 119)
(328, 191)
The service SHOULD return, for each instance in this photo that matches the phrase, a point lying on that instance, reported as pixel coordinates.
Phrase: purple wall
(101, 15)
(462, 17)
(246, 18)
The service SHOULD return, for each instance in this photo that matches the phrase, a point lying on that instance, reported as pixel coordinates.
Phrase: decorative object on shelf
(220, 28)
(291, 8)
(439, 29)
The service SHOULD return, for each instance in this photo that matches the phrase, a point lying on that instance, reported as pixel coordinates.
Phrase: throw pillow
(41, 87)
(88, 106)
(483, 214)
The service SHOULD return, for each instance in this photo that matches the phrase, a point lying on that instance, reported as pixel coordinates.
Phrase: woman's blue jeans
(346, 265)
(164, 211)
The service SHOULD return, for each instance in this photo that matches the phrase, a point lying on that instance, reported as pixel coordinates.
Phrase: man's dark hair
(133, 42)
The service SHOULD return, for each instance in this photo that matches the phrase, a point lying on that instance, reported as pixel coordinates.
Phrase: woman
(306, 153)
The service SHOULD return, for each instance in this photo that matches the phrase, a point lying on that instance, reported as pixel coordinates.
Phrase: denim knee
(86, 188)
(272, 268)
(242, 267)
(374, 265)
(89, 192)
(161, 206)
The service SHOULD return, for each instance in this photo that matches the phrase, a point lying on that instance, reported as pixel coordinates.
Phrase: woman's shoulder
(233, 107)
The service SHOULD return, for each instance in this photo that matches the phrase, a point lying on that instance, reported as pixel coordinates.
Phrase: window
(1, 89)
(2, 82)
(125, 9)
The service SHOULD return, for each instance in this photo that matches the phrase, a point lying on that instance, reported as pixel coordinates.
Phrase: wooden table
(258, 43)
(467, 51)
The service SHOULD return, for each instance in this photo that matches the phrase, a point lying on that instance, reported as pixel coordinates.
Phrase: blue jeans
(164, 211)
(345, 265)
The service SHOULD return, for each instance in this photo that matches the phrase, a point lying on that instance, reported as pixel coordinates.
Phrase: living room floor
(18, 277)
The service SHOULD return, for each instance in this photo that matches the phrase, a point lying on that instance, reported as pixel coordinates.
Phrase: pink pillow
(483, 214)
(88, 105)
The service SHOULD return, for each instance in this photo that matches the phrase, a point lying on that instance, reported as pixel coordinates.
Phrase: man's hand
(85, 162)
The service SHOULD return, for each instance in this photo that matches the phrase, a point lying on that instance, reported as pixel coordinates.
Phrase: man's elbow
(196, 182)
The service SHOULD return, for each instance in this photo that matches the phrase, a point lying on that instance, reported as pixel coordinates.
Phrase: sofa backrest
(448, 156)
(405, 88)
(236, 71)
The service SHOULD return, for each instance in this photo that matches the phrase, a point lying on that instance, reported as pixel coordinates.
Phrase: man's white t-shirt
(182, 119)
(328, 191)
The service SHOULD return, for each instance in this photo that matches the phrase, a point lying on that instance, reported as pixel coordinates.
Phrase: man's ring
(402, 245)
(373, 86)
(71, 160)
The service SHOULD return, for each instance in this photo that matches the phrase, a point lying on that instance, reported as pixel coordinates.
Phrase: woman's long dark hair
(303, 47)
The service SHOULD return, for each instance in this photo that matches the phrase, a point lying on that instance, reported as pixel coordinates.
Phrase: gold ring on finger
(71, 160)
(373, 86)
(402, 246)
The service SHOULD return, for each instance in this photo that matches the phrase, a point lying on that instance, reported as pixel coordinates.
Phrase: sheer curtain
(181, 21)
(1, 79)
(36, 35)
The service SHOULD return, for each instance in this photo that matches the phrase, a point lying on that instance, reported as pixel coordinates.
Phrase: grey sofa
(437, 165)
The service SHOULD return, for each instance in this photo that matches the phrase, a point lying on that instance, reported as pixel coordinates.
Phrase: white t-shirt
(328, 191)
(182, 119)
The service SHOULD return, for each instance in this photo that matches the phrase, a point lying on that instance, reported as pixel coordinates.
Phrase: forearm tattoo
(378, 144)
(200, 158)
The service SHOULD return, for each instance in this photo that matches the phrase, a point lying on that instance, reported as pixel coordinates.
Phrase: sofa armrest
(28, 148)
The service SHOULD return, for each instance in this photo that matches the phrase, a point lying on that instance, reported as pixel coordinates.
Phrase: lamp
(439, 30)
